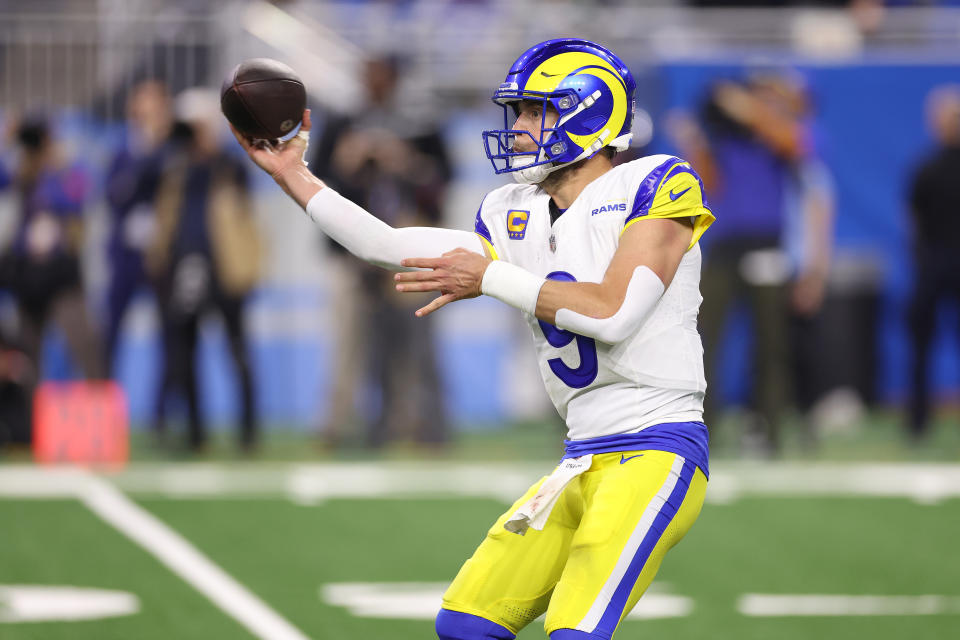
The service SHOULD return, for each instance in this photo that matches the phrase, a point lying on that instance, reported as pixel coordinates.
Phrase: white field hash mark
(44, 603)
(422, 600)
(814, 605)
(165, 544)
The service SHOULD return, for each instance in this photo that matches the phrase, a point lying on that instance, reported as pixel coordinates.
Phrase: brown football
(263, 98)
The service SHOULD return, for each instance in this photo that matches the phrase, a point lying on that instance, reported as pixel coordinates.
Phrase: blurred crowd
(182, 229)
(757, 146)
(181, 226)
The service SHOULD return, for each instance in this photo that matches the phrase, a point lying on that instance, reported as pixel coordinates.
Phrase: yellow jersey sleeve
(672, 190)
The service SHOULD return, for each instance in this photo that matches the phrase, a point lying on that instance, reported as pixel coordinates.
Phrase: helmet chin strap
(538, 173)
(534, 175)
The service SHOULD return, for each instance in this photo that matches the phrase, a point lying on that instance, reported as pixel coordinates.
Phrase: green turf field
(370, 566)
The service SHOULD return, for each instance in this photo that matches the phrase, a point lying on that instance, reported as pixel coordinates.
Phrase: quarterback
(604, 263)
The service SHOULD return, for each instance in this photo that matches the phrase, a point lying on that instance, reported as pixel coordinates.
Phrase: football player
(604, 263)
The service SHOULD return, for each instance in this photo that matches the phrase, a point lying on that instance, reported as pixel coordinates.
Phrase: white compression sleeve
(373, 240)
(643, 293)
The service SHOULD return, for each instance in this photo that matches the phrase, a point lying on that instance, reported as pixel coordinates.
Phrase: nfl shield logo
(553, 243)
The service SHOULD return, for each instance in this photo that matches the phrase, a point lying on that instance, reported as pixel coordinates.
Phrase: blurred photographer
(397, 167)
(204, 256)
(42, 265)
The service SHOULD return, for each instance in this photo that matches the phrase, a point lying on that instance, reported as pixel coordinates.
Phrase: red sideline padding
(81, 423)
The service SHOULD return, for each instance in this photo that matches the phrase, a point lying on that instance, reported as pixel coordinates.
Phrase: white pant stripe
(590, 621)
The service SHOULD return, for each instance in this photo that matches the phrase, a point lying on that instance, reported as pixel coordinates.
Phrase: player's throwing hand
(277, 159)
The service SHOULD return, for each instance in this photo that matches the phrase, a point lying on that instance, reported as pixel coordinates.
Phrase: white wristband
(512, 284)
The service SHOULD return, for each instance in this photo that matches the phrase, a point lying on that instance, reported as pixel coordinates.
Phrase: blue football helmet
(592, 92)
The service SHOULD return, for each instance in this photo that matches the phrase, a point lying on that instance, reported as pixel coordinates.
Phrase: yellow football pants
(598, 552)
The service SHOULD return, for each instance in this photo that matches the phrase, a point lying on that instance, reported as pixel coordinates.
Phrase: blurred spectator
(17, 378)
(769, 249)
(807, 240)
(42, 265)
(205, 254)
(397, 168)
(4, 176)
(934, 203)
(131, 187)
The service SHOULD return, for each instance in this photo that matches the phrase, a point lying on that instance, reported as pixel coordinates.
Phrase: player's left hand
(456, 275)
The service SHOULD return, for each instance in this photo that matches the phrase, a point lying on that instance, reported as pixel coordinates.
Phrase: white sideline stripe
(767, 605)
(314, 483)
(309, 484)
(922, 483)
(27, 481)
(592, 619)
(156, 538)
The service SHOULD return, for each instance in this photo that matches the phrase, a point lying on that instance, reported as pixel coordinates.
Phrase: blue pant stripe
(611, 615)
(456, 625)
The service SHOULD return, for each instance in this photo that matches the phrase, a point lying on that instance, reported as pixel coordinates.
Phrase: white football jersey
(656, 374)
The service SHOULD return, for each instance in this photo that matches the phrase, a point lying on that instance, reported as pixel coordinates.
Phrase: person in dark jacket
(204, 255)
(396, 166)
(934, 204)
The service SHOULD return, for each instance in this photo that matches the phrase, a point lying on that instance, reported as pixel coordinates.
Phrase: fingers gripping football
(280, 158)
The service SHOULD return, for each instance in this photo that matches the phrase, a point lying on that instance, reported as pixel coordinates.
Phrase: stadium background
(76, 60)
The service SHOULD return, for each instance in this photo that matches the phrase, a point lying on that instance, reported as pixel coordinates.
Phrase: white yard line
(769, 605)
(314, 483)
(165, 544)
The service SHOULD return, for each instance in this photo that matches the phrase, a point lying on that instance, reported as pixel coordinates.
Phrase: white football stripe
(43, 603)
(770, 605)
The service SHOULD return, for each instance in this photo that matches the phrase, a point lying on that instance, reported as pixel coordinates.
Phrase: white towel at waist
(535, 511)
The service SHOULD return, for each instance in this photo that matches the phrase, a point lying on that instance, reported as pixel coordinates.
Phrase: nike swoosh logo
(622, 459)
(674, 196)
